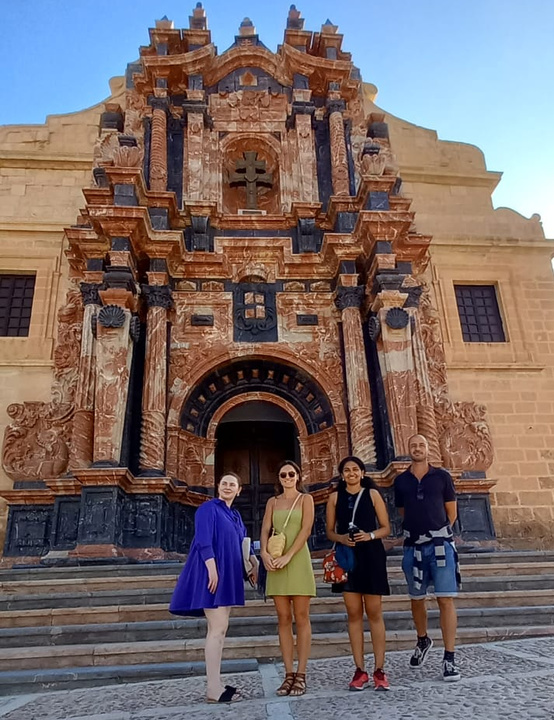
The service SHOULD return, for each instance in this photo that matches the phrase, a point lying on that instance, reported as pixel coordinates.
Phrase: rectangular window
(479, 313)
(16, 304)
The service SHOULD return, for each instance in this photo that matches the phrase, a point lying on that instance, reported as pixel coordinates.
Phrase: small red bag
(332, 571)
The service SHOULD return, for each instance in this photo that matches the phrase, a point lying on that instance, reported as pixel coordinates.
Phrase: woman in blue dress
(212, 580)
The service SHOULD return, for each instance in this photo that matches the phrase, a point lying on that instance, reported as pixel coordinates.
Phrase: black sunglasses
(419, 494)
(290, 474)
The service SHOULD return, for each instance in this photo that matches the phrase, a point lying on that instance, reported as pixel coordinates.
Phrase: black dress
(369, 576)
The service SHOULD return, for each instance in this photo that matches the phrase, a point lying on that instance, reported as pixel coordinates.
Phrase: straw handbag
(277, 541)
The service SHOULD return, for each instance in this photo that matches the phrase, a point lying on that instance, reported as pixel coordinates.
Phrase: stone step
(163, 567)
(253, 608)
(19, 682)
(194, 628)
(148, 596)
(266, 647)
(167, 581)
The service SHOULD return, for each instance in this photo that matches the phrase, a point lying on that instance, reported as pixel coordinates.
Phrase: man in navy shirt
(426, 500)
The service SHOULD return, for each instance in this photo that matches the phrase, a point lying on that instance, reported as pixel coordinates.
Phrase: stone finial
(164, 24)
(247, 28)
(294, 21)
(198, 19)
(328, 28)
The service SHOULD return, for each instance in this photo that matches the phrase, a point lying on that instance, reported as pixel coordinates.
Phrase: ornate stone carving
(111, 316)
(349, 297)
(157, 296)
(372, 160)
(397, 318)
(374, 327)
(134, 328)
(68, 345)
(463, 433)
(339, 158)
(36, 442)
(158, 151)
(89, 293)
(128, 156)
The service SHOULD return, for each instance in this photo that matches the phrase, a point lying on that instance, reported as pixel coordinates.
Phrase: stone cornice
(488, 179)
(50, 162)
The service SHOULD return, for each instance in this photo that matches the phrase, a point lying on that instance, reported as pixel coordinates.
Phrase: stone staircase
(100, 624)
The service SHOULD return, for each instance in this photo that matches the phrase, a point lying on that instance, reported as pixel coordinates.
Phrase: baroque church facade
(265, 265)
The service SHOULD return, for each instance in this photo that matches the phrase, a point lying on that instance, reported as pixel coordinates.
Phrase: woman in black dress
(357, 518)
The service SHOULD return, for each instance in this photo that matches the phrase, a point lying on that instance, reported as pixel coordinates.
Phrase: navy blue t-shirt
(424, 509)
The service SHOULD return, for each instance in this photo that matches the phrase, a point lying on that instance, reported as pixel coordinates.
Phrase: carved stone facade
(248, 282)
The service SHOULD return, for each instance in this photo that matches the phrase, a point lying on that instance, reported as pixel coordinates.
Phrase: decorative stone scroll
(158, 150)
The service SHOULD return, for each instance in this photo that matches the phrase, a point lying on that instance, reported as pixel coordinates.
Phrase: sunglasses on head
(290, 474)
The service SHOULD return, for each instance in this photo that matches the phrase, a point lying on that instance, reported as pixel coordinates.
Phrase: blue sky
(476, 71)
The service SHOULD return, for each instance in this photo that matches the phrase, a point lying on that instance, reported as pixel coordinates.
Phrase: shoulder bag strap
(356, 505)
(290, 511)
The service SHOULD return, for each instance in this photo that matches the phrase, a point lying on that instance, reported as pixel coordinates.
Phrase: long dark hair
(366, 481)
(299, 486)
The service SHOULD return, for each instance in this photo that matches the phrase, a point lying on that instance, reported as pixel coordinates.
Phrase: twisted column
(82, 434)
(158, 146)
(348, 301)
(154, 397)
(339, 157)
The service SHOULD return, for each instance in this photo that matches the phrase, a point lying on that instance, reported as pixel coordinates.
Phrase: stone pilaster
(113, 369)
(158, 146)
(83, 419)
(426, 419)
(339, 156)
(397, 366)
(152, 443)
(348, 301)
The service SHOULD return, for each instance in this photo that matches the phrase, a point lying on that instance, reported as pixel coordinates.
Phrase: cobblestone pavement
(511, 680)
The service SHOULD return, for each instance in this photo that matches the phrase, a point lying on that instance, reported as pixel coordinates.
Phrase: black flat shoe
(229, 695)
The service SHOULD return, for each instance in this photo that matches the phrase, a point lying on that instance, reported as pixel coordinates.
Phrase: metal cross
(251, 173)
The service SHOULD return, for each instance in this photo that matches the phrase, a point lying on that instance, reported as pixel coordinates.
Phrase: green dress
(296, 578)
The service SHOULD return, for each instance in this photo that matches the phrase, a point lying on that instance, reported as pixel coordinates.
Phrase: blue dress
(219, 531)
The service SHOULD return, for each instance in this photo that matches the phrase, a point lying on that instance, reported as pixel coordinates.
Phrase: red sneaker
(360, 680)
(380, 680)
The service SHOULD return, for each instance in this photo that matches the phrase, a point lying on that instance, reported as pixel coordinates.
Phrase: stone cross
(251, 173)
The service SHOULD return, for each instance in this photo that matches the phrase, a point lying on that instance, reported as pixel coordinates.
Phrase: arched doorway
(251, 440)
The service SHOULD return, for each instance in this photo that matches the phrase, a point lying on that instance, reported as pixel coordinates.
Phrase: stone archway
(270, 380)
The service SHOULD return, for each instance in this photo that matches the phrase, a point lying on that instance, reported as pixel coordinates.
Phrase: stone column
(339, 156)
(397, 366)
(158, 145)
(82, 436)
(113, 369)
(426, 419)
(154, 398)
(348, 301)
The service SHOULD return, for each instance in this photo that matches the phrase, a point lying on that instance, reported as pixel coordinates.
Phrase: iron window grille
(16, 304)
(479, 313)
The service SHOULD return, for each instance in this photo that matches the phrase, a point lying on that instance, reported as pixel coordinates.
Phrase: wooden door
(254, 450)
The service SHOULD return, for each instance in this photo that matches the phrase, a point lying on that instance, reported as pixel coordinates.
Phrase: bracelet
(372, 535)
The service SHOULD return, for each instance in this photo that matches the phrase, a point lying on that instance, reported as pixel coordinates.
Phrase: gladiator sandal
(299, 685)
(286, 685)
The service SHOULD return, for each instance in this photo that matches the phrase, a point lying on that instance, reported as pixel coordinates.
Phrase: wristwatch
(372, 535)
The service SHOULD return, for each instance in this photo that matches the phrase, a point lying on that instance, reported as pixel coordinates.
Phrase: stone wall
(43, 169)
(451, 191)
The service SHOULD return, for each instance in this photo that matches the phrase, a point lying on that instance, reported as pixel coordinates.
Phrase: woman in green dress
(290, 577)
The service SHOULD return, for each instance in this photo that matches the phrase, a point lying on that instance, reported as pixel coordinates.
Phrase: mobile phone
(352, 530)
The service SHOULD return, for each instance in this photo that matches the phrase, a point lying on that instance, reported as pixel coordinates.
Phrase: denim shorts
(443, 579)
